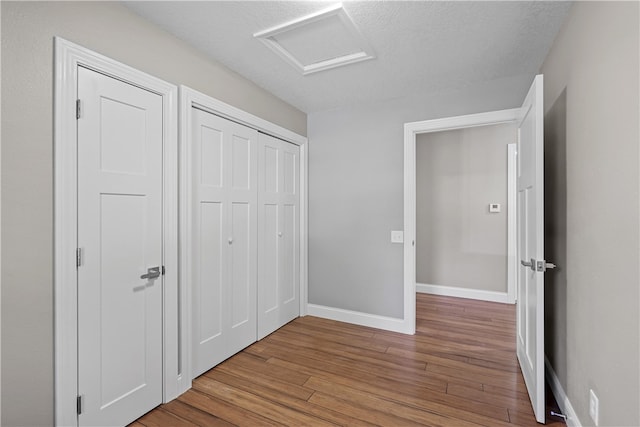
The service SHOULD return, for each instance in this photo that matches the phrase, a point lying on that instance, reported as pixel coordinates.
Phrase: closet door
(224, 245)
(278, 231)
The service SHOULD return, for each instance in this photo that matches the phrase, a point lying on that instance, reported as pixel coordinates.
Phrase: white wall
(592, 111)
(459, 243)
(356, 192)
(109, 28)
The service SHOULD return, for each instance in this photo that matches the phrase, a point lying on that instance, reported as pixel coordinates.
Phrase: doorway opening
(529, 222)
(465, 212)
(411, 133)
(70, 256)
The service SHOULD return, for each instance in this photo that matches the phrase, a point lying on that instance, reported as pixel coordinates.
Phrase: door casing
(68, 57)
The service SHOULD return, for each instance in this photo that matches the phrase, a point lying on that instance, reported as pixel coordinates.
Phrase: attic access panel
(318, 42)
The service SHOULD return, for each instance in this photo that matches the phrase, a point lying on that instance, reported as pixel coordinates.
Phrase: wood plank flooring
(460, 369)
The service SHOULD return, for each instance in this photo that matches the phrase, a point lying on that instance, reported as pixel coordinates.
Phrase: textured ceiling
(420, 46)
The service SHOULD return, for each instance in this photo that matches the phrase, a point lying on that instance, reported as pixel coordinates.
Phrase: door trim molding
(512, 223)
(411, 130)
(68, 57)
(190, 98)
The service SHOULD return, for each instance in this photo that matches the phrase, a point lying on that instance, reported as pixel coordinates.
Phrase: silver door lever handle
(152, 273)
(531, 264)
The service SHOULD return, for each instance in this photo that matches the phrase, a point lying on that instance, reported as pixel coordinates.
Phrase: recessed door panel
(270, 171)
(241, 280)
(241, 162)
(122, 139)
(289, 257)
(123, 306)
(268, 291)
(290, 178)
(211, 157)
(210, 274)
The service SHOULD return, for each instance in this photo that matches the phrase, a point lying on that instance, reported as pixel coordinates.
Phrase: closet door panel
(278, 259)
(223, 248)
(243, 251)
(290, 261)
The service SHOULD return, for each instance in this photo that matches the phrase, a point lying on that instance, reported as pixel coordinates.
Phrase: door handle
(152, 273)
(544, 266)
(541, 266)
(531, 264)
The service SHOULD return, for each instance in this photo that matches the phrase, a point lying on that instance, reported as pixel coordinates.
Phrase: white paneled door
(278, 237)
(530, 305)
(223, 165)
(120, 147)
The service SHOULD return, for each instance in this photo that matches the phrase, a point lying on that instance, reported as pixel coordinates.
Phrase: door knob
(152, 273)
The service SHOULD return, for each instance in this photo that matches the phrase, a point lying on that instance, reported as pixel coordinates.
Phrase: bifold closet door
(278, 233)
(224, 238)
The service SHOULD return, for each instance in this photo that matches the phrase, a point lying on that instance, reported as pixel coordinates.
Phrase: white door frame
(411, 130)
(68, 57)
(190, 98)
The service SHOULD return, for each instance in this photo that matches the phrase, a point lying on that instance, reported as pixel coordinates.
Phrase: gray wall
(459, 243)
(592, 110)
(356, 192)
(27, 164)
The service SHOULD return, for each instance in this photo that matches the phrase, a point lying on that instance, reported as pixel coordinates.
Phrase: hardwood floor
(460, 369)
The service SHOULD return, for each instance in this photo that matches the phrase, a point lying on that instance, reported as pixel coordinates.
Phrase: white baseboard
(450, 291)
(358, 318)
(561, 396)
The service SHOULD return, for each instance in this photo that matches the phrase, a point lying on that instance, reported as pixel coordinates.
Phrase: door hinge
(78, 257)
(77, 109)
(79, 402)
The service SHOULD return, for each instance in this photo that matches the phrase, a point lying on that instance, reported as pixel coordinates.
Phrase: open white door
(530, 306)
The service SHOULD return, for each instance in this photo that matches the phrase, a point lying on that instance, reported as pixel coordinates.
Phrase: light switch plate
(397, 237)
(494, 207)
